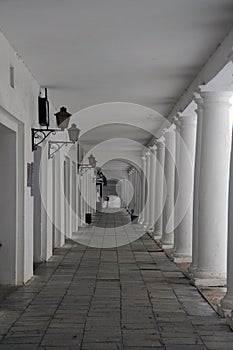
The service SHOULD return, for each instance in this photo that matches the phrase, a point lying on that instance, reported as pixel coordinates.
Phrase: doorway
(8, 200)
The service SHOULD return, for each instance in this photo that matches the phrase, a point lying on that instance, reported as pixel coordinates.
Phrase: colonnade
(186, 190)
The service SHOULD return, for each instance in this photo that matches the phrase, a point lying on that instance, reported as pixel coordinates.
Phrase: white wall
(18, 111)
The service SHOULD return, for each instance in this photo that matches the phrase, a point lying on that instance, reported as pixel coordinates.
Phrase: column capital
(143, 158)
(187, 120)
(176, 121)
(197, 97)
(216, 97)
(160, 143)
(169, 133)
(153, 148)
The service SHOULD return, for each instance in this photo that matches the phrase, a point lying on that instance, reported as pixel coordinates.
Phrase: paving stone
(132, 297)
(18, 346)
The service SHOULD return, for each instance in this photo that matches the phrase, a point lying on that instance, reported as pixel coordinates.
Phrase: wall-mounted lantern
(55, 146)
(82, 168)
(63, 118)
(73, 132)
(40, 135)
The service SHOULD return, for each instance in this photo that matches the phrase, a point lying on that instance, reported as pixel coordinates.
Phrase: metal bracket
(41, 135)
(55, 146)
(82, 168)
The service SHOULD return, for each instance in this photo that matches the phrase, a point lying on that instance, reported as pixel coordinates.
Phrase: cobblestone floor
(130, 297)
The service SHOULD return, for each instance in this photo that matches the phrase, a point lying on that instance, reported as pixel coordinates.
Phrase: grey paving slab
(131, 297)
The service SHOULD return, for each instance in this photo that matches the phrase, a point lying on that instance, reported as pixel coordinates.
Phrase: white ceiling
(93, 51)
(116, 165)
(89, 52)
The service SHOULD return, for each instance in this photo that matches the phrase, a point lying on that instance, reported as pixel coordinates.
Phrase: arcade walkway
(130, 297)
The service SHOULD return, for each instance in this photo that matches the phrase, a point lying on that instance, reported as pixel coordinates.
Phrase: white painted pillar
(184, 205)
(83, 198)
(85, 194)
(79, 201)
(129, 199)
(137, 193)
(143, 189)
(153, 161)
(135, 190)
(146, 222)
(167, 238)
(93, 185)
(58, 241)
(44, 194)
(176, 189)
(62, 195)
(213, 189)
(69, 233)
(226, 304)
(199, 112)
(159, 188)
(48, 242)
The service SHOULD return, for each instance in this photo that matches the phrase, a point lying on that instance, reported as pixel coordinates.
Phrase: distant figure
(133, 217)
(107, 200)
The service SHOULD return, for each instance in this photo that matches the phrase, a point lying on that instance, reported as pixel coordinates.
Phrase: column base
(208, 279)
(181, 258)
(208, 282)
(229, 320)
(166, 245)
(192, 269)
(226, 306)
(157, 235)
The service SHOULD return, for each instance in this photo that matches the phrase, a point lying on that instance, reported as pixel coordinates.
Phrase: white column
(84, 197)
(184, 205)
(213, 189)
(167, 238)
(137, 193)
(152, 188)
(58, 239)
(159, 188)
(146, 222)
(226, 304)
(93, 183)
(176, 188)
(78, 206)
(143, 189)
(199, 112)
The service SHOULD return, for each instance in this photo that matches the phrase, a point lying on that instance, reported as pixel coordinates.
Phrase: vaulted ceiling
(93, 51)
(89, 52)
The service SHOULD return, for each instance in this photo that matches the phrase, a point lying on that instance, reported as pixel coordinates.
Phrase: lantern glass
(63, 118)
(92, 161)
(73, 132)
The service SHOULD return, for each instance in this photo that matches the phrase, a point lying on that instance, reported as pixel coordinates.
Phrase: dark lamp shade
(63, 118)
(73, 132)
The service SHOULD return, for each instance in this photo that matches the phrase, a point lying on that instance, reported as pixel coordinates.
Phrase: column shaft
(143, 192)
(199, 112)
(147, 190)
(159, 188)
(184, 204)
(167, 239)
(226, 304)
(213, 189)
(152, 189)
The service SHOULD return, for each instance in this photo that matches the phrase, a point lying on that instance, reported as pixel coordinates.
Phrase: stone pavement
(130, 297)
